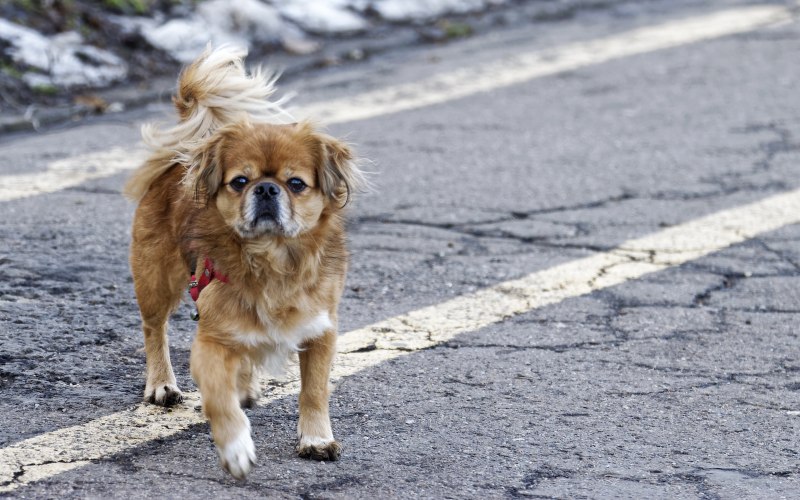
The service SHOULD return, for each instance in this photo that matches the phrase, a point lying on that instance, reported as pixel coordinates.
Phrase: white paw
(238, 456)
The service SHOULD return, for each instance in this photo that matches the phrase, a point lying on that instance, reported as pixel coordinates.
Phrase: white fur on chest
(275, 345)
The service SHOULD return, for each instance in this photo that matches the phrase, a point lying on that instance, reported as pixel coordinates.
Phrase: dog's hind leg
(159, 283)
(248, 384)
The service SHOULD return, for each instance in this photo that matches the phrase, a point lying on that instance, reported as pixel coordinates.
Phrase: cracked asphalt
(684, 383)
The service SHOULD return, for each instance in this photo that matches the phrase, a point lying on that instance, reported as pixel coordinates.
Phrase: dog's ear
(338, 174)
(205, 173)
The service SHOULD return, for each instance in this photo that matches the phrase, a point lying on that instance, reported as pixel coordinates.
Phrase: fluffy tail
(212, 91)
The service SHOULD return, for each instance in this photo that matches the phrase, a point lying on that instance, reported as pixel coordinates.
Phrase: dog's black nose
(267, 190)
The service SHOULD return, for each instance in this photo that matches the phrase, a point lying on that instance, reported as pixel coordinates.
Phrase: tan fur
(285, 274)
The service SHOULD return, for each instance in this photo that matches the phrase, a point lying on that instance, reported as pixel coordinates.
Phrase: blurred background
(59, 58)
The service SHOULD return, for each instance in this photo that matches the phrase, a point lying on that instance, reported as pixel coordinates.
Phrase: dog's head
(275, 180)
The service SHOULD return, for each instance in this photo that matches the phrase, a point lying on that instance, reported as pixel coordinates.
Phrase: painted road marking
(440, 88)
(65, 449)
(69, 172)
(527, 66)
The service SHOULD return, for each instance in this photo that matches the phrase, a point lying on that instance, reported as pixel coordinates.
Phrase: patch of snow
(240, 23)
(63, 59)
(183, 39)
(245, 22)
(422, 10)
(322, 16)
(252, 19)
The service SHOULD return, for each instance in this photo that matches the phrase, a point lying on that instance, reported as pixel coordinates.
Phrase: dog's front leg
(314, 427)
(215, 369)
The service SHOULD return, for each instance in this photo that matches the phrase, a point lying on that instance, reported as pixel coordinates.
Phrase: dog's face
(274, 180)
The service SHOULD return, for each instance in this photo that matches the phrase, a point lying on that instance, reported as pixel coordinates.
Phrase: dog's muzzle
(267, 196)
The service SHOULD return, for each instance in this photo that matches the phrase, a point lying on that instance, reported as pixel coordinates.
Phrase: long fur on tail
(213, 91)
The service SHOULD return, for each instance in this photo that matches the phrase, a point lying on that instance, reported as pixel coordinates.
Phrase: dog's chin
(267, 226)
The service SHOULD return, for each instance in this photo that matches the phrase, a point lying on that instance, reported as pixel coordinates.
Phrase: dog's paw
(319, 449)
(238, 456)
(163, 395)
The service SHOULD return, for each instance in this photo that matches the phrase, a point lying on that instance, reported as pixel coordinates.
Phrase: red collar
(196, 285)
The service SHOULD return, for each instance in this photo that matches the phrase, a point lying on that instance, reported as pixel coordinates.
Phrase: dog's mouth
(267, 222)
(267, 225)
(261, 225)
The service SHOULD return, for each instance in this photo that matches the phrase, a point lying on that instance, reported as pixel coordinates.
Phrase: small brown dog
(255, 209)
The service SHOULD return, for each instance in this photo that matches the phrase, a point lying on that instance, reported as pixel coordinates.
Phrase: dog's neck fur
(273, 273)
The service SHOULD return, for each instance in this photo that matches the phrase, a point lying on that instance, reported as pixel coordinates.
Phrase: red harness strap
(208, 275)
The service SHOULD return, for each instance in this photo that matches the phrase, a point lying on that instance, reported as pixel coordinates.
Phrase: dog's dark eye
(296, 185)
(238, 183)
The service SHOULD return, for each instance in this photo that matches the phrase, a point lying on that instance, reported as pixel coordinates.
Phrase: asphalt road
(681, 383)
